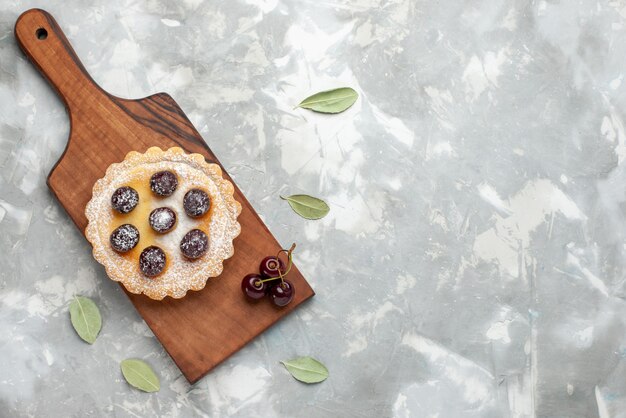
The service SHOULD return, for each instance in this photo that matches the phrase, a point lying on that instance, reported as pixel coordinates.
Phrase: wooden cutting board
(203, 328)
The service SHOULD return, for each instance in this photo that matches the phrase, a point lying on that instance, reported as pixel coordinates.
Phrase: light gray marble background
(473, 261)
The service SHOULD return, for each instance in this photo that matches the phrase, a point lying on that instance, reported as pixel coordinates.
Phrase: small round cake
(163, 222)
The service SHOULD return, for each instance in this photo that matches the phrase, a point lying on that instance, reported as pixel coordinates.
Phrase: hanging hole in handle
(41, 34)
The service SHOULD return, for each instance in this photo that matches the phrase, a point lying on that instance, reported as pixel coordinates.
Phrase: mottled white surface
(473, 261)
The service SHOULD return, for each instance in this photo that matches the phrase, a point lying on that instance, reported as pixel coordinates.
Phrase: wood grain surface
(203, 328)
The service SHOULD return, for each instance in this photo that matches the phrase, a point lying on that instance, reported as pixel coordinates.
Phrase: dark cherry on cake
(253, 286)
(196, 203)
(194, 244)
(282, 293)
(163, 183)
(124, 238)
(162, 220)
(124, 199)
(152, 261)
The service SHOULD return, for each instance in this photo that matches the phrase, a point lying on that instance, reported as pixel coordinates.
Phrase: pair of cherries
(271, 280)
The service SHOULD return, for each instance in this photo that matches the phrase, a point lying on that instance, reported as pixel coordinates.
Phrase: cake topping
(152, 261)
(124, 199)
(196, 203)
(124, 238)
(194, 244)
(163, 183)
(162, 220)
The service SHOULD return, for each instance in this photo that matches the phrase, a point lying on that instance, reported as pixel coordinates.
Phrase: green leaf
(306, 369)
(330, 101)
(307, 206)
(85, 318)
(140, 375)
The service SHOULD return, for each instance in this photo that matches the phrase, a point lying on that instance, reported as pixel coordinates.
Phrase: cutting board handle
(43, 41)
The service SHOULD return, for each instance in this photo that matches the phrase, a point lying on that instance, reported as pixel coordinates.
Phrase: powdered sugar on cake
(181, 274)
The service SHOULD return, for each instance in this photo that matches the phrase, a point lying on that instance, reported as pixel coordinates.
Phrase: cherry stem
(258, 282)
(289, 259)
